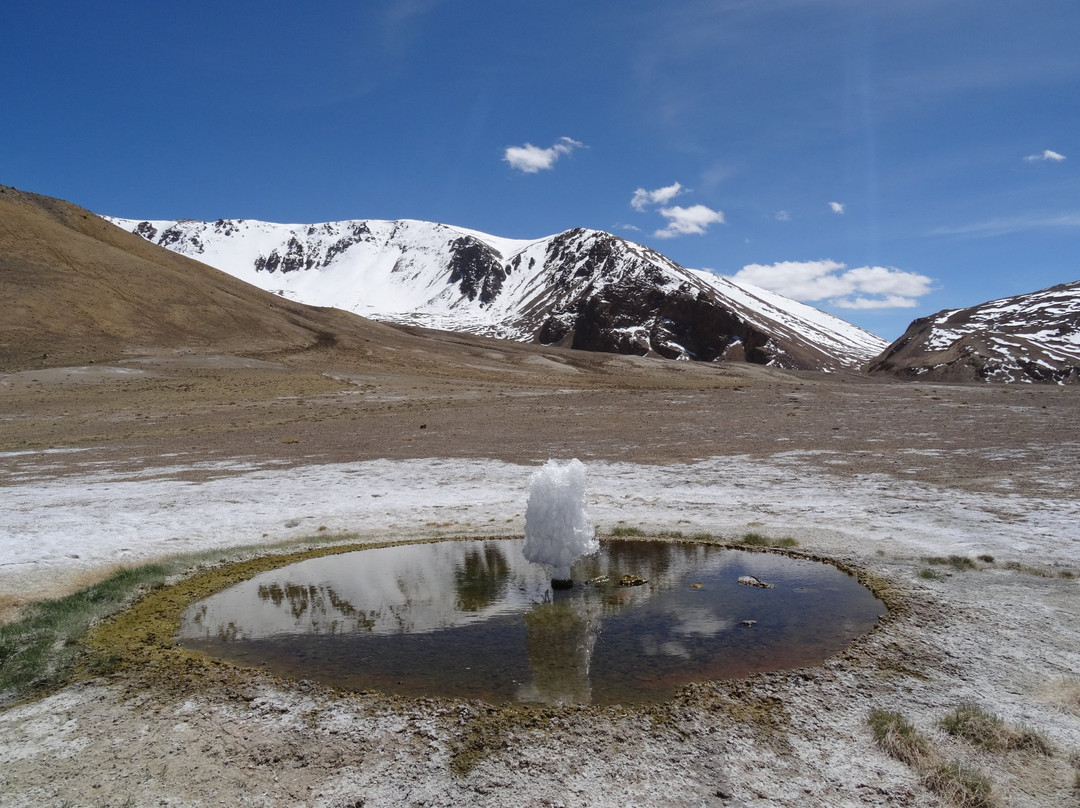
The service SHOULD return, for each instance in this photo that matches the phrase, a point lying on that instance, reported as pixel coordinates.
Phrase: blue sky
(880, 160)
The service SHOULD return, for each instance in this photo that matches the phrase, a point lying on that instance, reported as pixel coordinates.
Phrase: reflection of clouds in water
(675, 649)
(701, 622)
(668, 648)
(697, 622)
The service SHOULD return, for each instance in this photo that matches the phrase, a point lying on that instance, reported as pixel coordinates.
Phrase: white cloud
(888, 302)
(837, 207)
(783, 216)
(530, 159)
(642, 198)
(693, 220)
(858, 288)
(1015, 224)
(1047, 156)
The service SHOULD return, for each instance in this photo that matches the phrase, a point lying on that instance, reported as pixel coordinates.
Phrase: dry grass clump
(954, 781)
(1016, 566)
(899, 738)
(957, 562)
(960, 784)
(622, 531)
(753, 539)
(988, 731)
(1064, 693)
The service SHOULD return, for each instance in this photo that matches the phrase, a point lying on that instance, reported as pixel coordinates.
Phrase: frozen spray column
(557, 526)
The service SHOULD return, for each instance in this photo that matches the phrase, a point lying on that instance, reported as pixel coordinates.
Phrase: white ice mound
(557, 526)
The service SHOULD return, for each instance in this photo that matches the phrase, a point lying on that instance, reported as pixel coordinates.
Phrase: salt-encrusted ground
(1007, 638)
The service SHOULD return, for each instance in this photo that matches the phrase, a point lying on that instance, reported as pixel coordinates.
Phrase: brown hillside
(76, 289)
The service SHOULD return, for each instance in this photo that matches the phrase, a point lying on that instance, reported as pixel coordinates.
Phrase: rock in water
(750, 580)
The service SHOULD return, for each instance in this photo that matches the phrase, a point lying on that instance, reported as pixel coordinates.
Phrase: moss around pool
(474, 619)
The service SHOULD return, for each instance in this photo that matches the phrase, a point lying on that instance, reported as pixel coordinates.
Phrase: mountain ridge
(582, 288)
(1032, 337)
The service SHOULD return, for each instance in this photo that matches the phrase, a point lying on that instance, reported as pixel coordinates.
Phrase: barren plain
(143, 456)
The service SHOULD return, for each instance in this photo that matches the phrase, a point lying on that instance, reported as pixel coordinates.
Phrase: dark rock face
(476, 268)
(639, 318)
(147, 231)
(358, 232)
(177, 234)
(1027, 338)
(627, 305)
(294, 259)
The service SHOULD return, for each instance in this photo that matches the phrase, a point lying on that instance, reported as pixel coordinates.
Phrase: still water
(474, 619)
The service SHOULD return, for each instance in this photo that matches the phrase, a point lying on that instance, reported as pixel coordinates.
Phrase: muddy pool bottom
(475, 620)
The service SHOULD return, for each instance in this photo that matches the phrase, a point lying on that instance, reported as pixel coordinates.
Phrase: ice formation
(557, 526)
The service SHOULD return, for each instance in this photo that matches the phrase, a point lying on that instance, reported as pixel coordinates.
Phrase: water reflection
(474, 619)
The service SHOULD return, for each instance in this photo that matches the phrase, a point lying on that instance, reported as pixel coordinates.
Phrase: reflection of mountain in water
(388, 590)
(321, 602)
(508, 634)
(481, 578)
(560, 637)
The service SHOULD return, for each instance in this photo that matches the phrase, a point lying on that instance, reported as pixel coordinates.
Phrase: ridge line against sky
(879, 161)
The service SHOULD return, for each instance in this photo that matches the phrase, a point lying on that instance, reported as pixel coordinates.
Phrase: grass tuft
(898, 737)
(988, 731)
(957, 562)
(986, 558)
(931, 575)
(1016, 566)
(754, 540)
(962, 785)
(627, 531)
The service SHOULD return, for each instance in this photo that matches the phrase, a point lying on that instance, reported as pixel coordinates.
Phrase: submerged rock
(750, 580)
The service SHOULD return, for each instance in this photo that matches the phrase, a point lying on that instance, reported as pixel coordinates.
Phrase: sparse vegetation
(752, 539)
(41, 649)
(931, 574)
(988, 731)
(959, 783)
(1065, 693)
(957, 562)
(1016, 566)
(986, 558)
(621, 531)
(898, 737)
(963, 785)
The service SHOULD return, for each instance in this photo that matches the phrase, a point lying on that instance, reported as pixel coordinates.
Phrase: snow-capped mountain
(581, 288)
(1026, 338)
